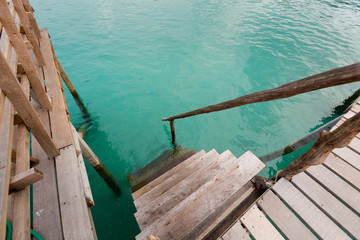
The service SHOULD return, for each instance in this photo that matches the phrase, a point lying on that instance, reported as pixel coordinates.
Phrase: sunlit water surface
(135, 62)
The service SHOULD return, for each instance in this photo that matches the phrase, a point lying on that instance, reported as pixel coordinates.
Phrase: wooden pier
(38, 145)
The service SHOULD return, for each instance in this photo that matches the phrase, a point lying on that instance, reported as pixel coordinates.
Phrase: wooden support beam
(95, 162)
(34, 24)
(331, 78)
(13, 90)
(27, 6)
(327, 142)
(21, 213)
(24, 179)
(23, 54)
(33, 161)
(28, 45)
(24, 19)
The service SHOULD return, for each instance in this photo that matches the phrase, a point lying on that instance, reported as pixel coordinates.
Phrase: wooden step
(146, 199)
(180, 167)
(205, 172)
(136, 179)
(184, 217)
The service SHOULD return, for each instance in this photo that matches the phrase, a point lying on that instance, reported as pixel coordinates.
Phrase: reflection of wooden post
(327, 141)
(95, 162)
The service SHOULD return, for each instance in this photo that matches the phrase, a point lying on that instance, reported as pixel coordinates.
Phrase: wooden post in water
(172, 129)
(95, 162)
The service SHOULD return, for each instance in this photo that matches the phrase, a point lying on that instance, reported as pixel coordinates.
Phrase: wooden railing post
(172, 129)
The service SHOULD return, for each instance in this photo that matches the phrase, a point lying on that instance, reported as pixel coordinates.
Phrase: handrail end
(165, 119)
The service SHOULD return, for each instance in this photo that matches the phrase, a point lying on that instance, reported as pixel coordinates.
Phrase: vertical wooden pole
(21, 213)
(173, 137)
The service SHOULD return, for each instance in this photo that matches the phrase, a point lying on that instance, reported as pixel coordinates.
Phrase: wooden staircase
(193, 196)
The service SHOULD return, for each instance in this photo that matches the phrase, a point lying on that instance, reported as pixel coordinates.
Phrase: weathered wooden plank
(168, 174)
(24, 179)
(24, 19)
(258, 225)
(13, 90)
(349, 114)
(355, 145)
(236, 232)
(148, 212)
(60, 127)
(334, 77)
(46, 209)
(82, 170)
(337, 186)
(6, 141)
(204, 201)
(21, 213)
(313, 216)
(344, 170)
(27, 6)
(34, 24)
(349, 156)
(74, 211)
(342, 215)
(283, 218)
(23, 54)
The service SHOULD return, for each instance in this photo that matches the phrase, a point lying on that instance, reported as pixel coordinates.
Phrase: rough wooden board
(25, 178)
(166, 175)
(145, 200)
(27, 6)
(221, 213)
(258, 225)
(184, 217)
(46, 209)
(344, 170)
(169, 182)
(349, 156)
(236, 232)
(23, 54)
(355, 108)
(313, 216)
(209, 168)
(6, 141)
(34, 24)
(355, 145)
(58, 116)
(342, 215)
(349, 114)
(336, 185)
(74, 211)
(283, 218)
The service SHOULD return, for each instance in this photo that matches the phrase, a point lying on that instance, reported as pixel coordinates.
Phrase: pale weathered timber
(33, 161)
(73, 91)
(253, 218)
(23, 54)
(334, 77)
(59, 119)
(284, 219)
(34, 24)
(236, 232)
(337, 186)
(342, 215)
(82, 170)
(199, 205)
(95, 162)
(24, 179)
(348, 155)
(321, 224)
(21, 213)
(13, 90)
(327, 142)
(24, 19)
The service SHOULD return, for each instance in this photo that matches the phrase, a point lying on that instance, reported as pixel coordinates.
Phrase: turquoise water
(135, 62)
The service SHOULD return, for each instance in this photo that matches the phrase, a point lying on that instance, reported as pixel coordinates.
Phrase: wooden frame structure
(38, 147)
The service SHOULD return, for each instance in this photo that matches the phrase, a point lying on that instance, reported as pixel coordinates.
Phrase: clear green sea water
(135, 62)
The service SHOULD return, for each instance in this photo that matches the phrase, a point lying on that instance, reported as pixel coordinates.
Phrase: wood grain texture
(312, 215)
(24, 179)
(236, 232)
(23, 54)
(283, 218)
(258, 225)
(334, 77)
(339, 213)
(337, 186)
(344, 170)
(34, 24)
(204, 201)
(349, 156)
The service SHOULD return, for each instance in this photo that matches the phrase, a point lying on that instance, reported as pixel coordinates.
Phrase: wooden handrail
(334, 77)
(327, 142)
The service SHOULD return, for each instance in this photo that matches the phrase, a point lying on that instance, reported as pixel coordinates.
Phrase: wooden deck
(322, 202)
(61, 195)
